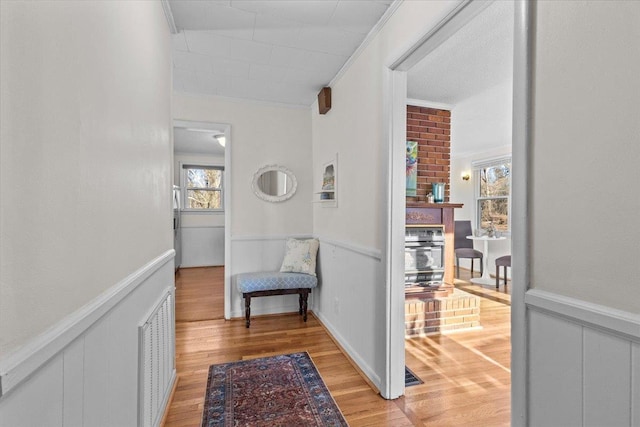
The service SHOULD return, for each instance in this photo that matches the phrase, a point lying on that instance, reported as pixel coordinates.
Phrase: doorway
(201, 159)
(397, 91)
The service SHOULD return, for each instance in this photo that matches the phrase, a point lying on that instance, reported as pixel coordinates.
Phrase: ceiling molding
(370, 36)
(169, 15)
(251, 101)
(428, 104)
(456, 19)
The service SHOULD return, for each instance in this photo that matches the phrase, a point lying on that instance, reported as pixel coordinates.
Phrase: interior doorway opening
(397, 93)
(201, 171)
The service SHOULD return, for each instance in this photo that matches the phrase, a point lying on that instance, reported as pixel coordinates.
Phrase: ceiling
(279, 51)
(285, 51)
(477, 57)
(197, 141)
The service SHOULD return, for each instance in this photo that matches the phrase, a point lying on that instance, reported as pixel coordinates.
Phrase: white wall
(202, 233)
(584, 331)
(483, 121)
(261, 134)
(353, 305)
(85, 206)
(586, 152)
(86, 155)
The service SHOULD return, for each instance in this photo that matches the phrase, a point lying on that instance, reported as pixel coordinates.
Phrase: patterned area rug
(284, 390)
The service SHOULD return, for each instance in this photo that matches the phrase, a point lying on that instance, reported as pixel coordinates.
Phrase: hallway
(474, 390)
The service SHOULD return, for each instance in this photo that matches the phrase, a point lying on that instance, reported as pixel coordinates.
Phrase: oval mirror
(274, 183)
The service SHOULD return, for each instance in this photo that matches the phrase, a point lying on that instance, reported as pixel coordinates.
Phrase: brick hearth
(423, 316)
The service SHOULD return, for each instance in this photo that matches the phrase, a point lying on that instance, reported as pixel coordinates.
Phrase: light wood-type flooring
(466, 374)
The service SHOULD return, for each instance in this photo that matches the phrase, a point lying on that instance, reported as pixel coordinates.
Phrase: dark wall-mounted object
(324, 100)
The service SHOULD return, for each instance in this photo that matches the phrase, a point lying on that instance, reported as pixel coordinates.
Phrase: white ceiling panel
(310, 12)
(206, 43)
(352, 16)
(249, 51)
(193, 61)
(276, 31)
(283, 56)
(192, 14)
(231, 67)
(281, 51)
(337, 42)
(309, 77)
(267, 73)
(179, 43)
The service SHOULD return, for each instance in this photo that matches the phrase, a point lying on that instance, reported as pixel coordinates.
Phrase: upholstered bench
(275, 283)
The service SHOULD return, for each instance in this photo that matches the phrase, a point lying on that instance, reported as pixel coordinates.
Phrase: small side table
(485, 279)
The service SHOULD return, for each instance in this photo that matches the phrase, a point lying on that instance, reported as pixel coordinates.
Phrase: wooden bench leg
(247, 309)
(304, 294)
(300, 303)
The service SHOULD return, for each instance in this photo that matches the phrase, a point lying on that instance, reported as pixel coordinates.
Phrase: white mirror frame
(266, 197)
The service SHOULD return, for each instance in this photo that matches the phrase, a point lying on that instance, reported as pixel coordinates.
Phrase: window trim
(183, 187)
(477, 167)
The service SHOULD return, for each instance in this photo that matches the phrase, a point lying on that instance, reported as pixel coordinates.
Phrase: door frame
(226, 128)
(395, 96)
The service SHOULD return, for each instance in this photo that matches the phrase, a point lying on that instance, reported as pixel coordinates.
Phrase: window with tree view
(494, 195)
(203, 187)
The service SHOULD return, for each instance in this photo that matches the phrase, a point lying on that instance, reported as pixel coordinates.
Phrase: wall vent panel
(156, 362)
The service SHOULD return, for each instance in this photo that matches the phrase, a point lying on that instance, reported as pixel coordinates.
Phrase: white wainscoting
(350, 277)
(84, 371)
(584, 363)
(260, 253)
(202, 246)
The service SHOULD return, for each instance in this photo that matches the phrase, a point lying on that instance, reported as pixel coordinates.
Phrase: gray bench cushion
(264, 281)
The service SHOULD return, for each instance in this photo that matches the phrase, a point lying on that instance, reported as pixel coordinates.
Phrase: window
(203, 187)
(493, 194)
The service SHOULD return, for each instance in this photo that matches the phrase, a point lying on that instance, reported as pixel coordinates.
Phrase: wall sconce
(466, 176)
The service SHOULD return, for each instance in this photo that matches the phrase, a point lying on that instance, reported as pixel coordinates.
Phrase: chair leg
(457, 267)
(481, 266)
(471, 267)
(497, 276)
(505, 275)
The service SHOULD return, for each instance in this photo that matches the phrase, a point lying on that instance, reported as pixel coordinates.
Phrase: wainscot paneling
(350, 278)
(260, 253)
(202, 246)
(84, 371)
(584, 368)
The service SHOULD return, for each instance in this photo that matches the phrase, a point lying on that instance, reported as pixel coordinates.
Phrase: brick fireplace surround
(435, 312)
(431, 128)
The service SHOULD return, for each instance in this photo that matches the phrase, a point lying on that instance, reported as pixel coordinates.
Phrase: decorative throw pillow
(300, 256)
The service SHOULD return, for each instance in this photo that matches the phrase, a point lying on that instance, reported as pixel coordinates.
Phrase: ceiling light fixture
(222, 140)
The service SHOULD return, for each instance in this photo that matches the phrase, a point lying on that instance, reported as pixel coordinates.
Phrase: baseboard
(257, 312)
(370, 376)
(346, 354)
(21, 364)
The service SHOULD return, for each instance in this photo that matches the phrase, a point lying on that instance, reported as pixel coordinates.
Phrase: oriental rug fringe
(284, 390)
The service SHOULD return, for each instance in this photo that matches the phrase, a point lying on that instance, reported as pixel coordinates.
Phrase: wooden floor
(199, 294)
(466, 374)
